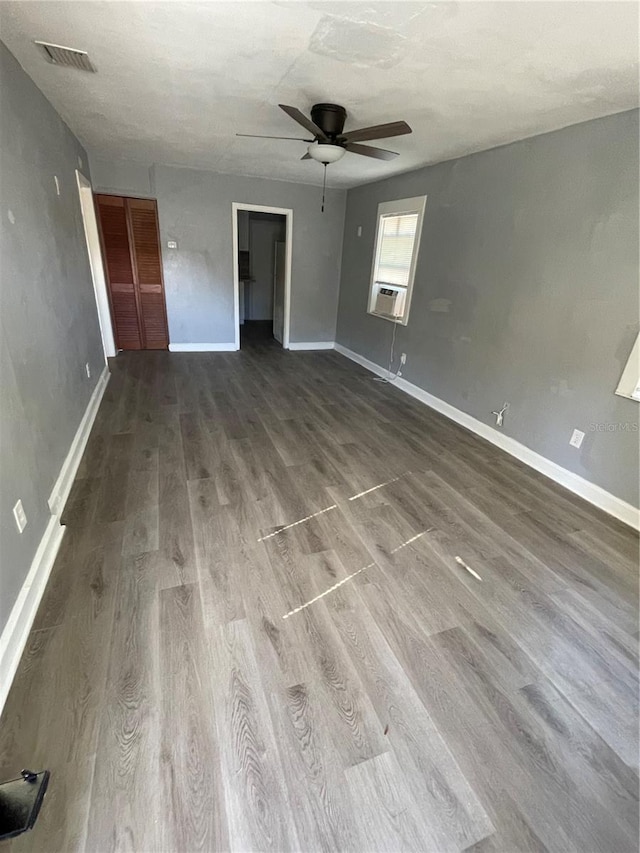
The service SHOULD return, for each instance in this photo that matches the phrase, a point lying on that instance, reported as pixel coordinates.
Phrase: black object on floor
(20, 801)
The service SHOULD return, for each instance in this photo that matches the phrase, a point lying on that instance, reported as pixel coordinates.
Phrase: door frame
(96, 264)
(287, 212)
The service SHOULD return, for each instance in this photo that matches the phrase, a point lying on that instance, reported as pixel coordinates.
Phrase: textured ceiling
(176, 80)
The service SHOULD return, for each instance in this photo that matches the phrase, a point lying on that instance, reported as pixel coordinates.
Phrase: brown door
(131, 249)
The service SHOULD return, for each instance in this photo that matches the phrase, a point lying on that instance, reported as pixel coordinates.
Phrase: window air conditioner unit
(390, 300)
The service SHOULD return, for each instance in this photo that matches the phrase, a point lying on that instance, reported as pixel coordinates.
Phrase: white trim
(92, 237)
(67, 475)
(629, 385)
(595, 495)
(311, 345)
(288, 213)
(230, 347)
(16, 631)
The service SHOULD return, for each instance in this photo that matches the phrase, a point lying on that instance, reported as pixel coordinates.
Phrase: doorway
(262, 273)
(130, 241)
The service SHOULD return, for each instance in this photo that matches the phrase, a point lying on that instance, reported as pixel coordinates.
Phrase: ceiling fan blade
(378, 131)
(261, 136)
(306, 156)
(301, 118)
(369, 151)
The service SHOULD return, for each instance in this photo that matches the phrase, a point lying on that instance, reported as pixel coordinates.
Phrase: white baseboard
(311, 345)
(595, 495)
(67, 474)
(16, 631)
(230, 347)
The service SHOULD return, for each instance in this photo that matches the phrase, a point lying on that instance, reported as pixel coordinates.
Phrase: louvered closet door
(148, 268)
(131, 249)
(114, 228)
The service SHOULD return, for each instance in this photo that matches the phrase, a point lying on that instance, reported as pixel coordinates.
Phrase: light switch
(172, 244)
(359, 230)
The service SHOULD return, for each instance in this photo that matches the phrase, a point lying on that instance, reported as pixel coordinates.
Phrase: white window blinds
(397, 237)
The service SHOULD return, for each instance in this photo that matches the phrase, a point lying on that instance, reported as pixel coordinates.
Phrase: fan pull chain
(324, 184)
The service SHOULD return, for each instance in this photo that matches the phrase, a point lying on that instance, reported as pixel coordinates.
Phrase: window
(629, 385)
(395, 256)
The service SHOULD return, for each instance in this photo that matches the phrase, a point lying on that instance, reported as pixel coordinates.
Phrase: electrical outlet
(88, 369)
(576, 438)
(172, 244)
(20, 516)
(403, 358)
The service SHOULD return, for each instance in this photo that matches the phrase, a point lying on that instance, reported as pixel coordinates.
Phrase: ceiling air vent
(56, 54)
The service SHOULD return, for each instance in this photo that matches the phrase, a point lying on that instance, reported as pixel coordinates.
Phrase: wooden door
(131, 249)
(116, 252)
(148, 270)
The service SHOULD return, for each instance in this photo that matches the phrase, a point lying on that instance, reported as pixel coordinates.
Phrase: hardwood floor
(295, 609)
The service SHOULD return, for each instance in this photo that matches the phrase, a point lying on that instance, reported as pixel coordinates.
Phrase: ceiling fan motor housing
(330, 118)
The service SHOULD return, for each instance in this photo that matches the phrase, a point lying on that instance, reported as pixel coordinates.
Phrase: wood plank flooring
(295, 610)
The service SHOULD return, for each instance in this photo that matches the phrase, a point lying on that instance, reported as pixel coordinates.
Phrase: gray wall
(194, 207)
(111, 176)
(48, 320)
(534, 247)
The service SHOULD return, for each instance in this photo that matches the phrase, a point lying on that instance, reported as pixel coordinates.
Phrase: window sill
(400, 321)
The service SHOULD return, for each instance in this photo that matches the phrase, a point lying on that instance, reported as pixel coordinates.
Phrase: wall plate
(576, 438)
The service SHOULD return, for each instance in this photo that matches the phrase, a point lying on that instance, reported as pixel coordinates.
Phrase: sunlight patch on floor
(300, 521)
(409, 541)
(461, 562)
(327, 591)
(379, 486)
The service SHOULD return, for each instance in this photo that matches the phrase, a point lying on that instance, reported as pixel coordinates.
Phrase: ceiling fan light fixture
(325, 153)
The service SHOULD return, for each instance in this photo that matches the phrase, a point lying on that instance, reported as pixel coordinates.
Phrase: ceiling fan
(329, 144)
